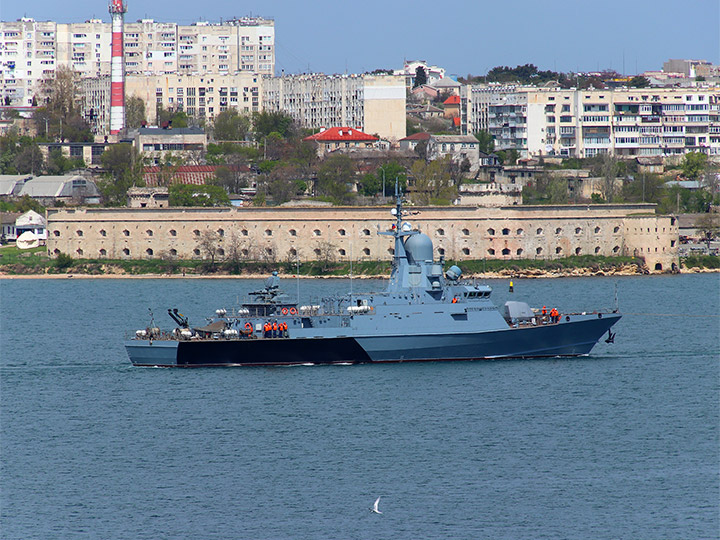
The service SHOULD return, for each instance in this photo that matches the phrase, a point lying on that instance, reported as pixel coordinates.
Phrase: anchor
(611, 337)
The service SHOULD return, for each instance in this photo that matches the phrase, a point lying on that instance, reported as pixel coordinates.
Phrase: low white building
(33, 222)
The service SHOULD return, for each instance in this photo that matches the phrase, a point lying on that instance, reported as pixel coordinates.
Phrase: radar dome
(419, 248)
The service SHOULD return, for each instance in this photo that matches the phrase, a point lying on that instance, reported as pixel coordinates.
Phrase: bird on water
(375, 506)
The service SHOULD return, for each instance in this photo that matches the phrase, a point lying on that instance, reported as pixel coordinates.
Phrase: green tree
(229, 125)
(639, 82)
(60, 116)
(487, 143)
(123, 170)
(135, 115)
(266, 122)
(193, 195)
(177, 119)
(432, 182)
(335, 177)
(420, 76)
(709, 227)
(29, 160)
(693, 165)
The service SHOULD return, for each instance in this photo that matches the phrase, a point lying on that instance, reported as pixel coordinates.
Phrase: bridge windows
(103, 232)
(244, 232)
(520, 232)
(221, 232)
(597, 230)
(616, 249)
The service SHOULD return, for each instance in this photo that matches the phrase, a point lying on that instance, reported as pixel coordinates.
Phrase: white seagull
(375, 506)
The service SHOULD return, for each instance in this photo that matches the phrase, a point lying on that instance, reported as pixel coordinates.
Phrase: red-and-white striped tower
(117, 67)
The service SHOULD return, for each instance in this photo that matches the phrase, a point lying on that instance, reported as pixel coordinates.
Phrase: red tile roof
(185, 174)
(341, 134)
(452, 100)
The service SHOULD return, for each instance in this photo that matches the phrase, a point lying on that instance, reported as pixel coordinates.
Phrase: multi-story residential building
(583, 123)
(202, 97)
(27, 57)
(30, 51)
(374, 104)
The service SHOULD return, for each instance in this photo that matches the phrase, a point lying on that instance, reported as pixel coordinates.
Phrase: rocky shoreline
(532, 273)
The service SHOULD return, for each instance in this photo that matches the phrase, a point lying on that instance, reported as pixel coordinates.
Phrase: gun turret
(178, 318)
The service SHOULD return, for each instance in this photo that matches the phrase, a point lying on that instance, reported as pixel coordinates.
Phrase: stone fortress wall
(345, 233)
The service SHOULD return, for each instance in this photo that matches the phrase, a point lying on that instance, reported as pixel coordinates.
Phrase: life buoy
(293, 311)
(284, 311)
(249, 327)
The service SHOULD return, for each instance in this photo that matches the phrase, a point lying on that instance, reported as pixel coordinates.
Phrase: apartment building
(374, 104)
(627, 122)
(30, 51)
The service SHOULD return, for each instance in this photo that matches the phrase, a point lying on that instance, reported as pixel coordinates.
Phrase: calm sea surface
(623, 444)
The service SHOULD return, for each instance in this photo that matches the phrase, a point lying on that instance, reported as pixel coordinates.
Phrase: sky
(462, 36)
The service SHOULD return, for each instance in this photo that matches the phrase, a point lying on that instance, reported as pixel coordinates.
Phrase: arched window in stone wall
(317, 232)
(441, 232)
(466, 232)
(221, 232)
(365, 232)
(366, 251)
(391, 251)
(126, 232)
(466, 251)
(126, 252)
(56, 233)
(79, 252)
(103, 252)
(491, 232)
(103, 232)
(616, 229)
(340, 251)
(341, 232)
(268, 232)
(221, 252)
(578, 250)
(558, 230)
(558, 250)
(491, 251)
(79, 232)
(441, 251)
(597, 250)
(196, 252)
(578, 230)
(244, 252)
(506, 231)
(149, 232)
(519, 252)
(538, 251)
(173, 252)
(616, 249)
(292, 232)
(317, 252)
(505, 252)
(539, 231)
(244, 232)
(173, 232)
(520, 232)
(597, 230)
(196, 232)
(149, 252)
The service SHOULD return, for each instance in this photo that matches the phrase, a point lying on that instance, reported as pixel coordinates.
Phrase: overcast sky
(463, 36)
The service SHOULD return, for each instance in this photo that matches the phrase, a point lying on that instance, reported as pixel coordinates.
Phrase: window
(221, 252)
(558, 250)
(366, 232)
(221, 232)
(441, 252)
(268, 232)
(366, 251)
(173, 232)
(441, 232)
(244, 232)
(491, 251)
(103, 232)
(103, 253)
(317, 252)
(173, 252)
(578, 230)
(616, 249)
(466, 251)
(491, 232)
(79, 251)
(578, 250)
(466, 232)
(506, 252)
(506, 232)
(616, 229)
(149, 232)
(196, 232)
(293, 252)
(79, 232)
(196, 252)
(558, 230)
(56, 233)
(341, 252)
(519, 251)
(149, 252)
(126, 252)
(597, 230)
(341, 232)
(520, 232)
(597, 250)
(539, 231)
(268, 252)
(317, 232)
(292, 232)
(244, 252)
(538, 251)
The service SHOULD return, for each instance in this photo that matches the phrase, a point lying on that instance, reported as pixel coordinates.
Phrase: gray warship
(426, 313)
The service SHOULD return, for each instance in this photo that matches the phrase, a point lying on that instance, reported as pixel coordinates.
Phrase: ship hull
(564, 339)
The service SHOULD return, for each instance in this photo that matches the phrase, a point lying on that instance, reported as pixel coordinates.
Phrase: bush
(64, 261)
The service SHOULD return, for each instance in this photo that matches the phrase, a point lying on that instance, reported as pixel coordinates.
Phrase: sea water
(620, 444)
